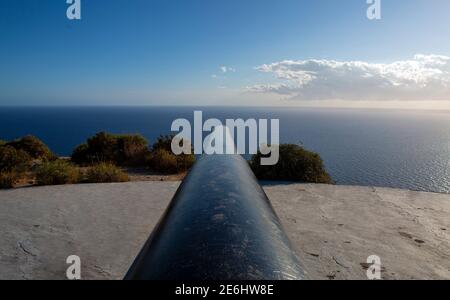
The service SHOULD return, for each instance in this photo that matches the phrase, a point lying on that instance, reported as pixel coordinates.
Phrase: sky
(226, 52)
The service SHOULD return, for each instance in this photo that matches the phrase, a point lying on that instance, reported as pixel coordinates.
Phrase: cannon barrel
(220, 225)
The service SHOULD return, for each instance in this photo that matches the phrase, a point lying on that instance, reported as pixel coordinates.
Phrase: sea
(384, 148)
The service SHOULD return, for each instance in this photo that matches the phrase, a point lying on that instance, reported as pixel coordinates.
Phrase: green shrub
(34, 147)
(103, 148)
(105, 172)
(2, 143)
(295, 164)
(80, 155)
(7, 180)
(132, 149)
(185, 162)
(163, 142)
(57, 172)
(163, 160)
(117, 149)
(166, 162)
(13, 160)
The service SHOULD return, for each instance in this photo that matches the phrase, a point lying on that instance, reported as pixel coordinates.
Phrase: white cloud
(425, 77)
(225, 69)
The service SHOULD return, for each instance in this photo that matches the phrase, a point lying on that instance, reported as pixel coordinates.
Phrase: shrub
(13, 160)
(185, 162)
(118, 149)
(103, 147)
(34, 147)
(295, 164)
(132, 149)
(163, 142)
(57, 172)
(80, 155)
(166, 162)
(105, 172)
(7, 180)
(2, 143)
(163, 161)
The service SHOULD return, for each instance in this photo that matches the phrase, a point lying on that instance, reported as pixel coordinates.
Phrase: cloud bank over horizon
(425, 77)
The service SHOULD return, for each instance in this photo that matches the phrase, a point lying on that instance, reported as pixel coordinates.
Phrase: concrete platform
(333, 228)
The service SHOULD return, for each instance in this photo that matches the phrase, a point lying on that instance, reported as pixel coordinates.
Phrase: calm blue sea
(401, 149)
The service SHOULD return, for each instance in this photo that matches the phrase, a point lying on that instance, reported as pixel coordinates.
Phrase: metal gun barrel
(220, 225)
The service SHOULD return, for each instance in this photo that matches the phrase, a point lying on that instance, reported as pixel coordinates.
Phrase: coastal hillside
(333, 229)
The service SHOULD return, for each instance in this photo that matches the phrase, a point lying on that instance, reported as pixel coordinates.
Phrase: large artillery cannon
(220, 225)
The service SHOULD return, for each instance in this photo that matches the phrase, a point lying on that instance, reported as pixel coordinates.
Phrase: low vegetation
(185, 162)
(30, 159)
(163, 142)
(134, 151)
(34, 147)
(295, 164)
(57, 172)
(105, 172)
(100, 158)
(117, 149)
(162, 159)
(7, 180)
(13, 160)
(18, 157)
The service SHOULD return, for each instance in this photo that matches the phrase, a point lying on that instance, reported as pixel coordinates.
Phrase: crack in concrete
(22, 247)
(338, 263)
(102, 271)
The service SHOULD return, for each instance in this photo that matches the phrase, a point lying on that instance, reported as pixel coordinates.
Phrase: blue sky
(158, 52)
